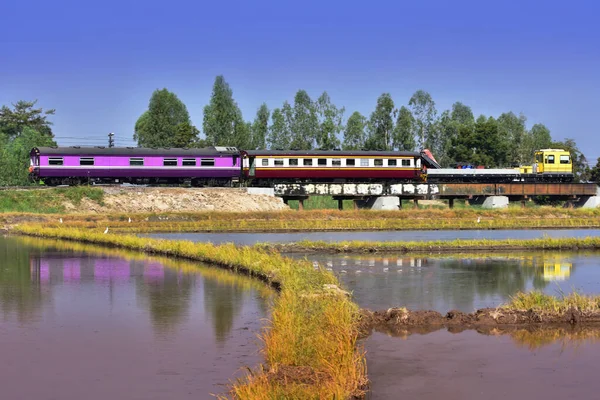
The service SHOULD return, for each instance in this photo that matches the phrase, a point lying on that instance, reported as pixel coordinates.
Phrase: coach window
(364, 162)
(392, 163)
(279, 162)
(350, 162)
(379, 162)
(86, 161)
(308, 162)
(322, 162)
(207, 162)
(293, 162)
(564, 159)
(551, 159)
(336, 162)
(265, 162)
(406, 163)
(55, 161)
(136, 161)
(170, 162)
(188, 162)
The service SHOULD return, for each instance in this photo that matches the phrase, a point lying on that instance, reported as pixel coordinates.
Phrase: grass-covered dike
(437, 246)
(47, 200)
(310, 344)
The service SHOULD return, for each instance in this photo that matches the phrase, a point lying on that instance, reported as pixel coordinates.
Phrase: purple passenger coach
(73, 165)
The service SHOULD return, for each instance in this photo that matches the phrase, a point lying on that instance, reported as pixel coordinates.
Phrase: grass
(458, 245)
(47, 201)
(312, 329)
(553, 305)
(319, 220)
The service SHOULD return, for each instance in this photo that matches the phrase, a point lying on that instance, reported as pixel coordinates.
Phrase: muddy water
(470, 365)
(80, 323)
(463, 282)
(380, 236)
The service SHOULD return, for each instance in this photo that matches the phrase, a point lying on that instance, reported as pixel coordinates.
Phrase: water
(462, 282)
(82, 323)
(470, 365)
(375, 236)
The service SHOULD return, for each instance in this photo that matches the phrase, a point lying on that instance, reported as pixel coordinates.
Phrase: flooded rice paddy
(159, 331)
(84, 323)
(375, 236)
(463, 282)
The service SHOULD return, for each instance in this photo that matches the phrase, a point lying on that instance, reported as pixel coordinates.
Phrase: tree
(452, 123)
(260, 128)
(305, 123)
(12, 122)
(381, 124)
(594, 173)
(14, 155)
(423, 109)
(158, 126)
(330, 123)
(580, 168)
(186, 135)
(512, 128)
(280, 135)
(537, 138)
(354, 135)
(403, 138)
(223, 123)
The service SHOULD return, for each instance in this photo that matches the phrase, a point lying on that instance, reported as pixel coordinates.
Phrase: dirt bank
(148, 199)
(400, 321)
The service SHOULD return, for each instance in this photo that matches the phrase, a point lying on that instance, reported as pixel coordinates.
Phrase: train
(228, 166)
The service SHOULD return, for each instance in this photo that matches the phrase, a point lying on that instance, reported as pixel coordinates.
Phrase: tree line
(454, 136)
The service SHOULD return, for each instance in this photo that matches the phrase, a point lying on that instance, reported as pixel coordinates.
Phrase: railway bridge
(390, 196)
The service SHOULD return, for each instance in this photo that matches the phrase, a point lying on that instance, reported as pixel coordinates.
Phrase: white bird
(478, 219)
(129, 219)
(106, 230)
(343, 271)
(358, 271)
(60, 220)
(386, 269)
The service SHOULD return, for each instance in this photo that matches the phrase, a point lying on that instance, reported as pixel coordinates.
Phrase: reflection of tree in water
(19, 294)
(223, 302)
(168, 299)
(494, 277)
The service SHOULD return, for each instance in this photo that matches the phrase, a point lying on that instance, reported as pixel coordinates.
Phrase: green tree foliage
(424, 112)
(512, 128)
(186, 135)
(459, 119)
(404, 138)
(479, 144)
(580, 168)
(14, 155)
(354, 135)
(260, 128)
(535, 139)
(330, 123)
(158, 127)
(594, 173)
(280, 134)
(381, 124)
(223, 123)
(24, 115)
(304, 123)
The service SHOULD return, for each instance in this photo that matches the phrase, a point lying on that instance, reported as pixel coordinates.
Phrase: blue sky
(98, 62)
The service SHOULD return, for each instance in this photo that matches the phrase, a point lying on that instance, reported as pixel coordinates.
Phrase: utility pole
(111, 140)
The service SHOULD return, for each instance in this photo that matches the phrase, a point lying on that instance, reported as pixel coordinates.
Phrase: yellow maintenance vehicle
(554, 165)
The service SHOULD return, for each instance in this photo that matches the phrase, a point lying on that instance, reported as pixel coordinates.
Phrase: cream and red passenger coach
(331, 166)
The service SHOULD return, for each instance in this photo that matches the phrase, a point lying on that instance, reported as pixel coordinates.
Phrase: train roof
(341, 153)
(133, 151)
